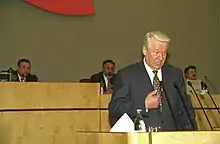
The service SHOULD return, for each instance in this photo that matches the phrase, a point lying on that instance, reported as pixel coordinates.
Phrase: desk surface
(204, 137)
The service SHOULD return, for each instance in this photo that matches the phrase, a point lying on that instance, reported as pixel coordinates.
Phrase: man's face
(156, 54)
(191, 74)
(24, 68)
(109, 68)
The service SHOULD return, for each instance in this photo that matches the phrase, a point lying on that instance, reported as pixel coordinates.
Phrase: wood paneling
(105, 121)
(47, 113)
(48, 95)
(152, 138)
(205, 100)
(105, 99)
(46, 127)
(112, 138)
(186, 138)
(50, 113)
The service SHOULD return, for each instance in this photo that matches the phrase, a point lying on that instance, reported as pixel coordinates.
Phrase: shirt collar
(148, 68)
(20, 77)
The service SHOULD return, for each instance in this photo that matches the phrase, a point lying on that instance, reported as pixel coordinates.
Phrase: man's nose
(160, 56)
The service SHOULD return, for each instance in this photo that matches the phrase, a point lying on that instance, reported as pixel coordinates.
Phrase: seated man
(191, 75)
(23, 72)
(106, 76)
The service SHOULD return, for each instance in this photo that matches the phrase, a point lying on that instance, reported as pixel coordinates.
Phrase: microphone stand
(190, 84)
(186, 109)
(10, 70)
(163, 91)
(207, 91)
(207, 79)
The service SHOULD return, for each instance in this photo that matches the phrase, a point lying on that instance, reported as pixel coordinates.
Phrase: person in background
(106, 77)
(138, 86)
(191, 75)
(22, 74)
(190, 72)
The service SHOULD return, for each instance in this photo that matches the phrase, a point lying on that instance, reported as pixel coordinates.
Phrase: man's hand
(108, 92)
(152, 100)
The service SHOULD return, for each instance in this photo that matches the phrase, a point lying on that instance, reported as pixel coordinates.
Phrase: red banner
(65, 7)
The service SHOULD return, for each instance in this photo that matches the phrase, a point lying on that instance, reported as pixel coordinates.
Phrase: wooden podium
(209, 137)
(210, 110)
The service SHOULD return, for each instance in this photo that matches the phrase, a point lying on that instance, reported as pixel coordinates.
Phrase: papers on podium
(124, 124)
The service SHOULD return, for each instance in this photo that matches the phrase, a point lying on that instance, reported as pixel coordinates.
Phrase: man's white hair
(156, 35)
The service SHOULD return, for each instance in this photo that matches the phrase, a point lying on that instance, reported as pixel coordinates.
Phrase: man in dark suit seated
(23, 72)
(138, 86)
(106, 77)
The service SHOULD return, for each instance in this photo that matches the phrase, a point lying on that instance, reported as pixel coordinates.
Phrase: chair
(86, 80)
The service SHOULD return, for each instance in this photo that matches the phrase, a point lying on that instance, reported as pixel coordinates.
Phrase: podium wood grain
(105, 121)
(112, 138)
(105, 99)
(48, 95)
(205, 100)
(46, 127)
(208, 137)
(213, 115)
(211, 137)
(47, 113)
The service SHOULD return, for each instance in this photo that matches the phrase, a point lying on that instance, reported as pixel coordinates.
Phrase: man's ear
(144, 50)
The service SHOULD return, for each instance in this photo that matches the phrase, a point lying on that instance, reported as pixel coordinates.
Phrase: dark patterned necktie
(109, 87)
(157, 86)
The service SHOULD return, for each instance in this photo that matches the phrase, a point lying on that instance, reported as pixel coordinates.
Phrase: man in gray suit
(136, 87)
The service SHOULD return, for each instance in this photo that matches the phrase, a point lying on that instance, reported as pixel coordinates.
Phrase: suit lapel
(144, 75)
(167, 84)
(16, 74)
(165, 78)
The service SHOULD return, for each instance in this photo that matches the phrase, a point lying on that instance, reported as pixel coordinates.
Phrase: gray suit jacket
(131, 86)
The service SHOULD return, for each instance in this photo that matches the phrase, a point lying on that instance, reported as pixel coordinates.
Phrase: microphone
(190, 84)
(205, 87)
(210, 82)
(163, 92)
(10, 71)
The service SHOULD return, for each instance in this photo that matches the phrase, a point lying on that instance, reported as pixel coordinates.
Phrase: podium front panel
(209, 137)
(112, 138)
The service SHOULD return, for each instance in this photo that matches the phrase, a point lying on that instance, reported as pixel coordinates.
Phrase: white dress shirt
(151, 74)
(106, 80)
(20, 79)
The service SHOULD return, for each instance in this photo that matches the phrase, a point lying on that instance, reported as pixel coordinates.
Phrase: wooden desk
(209, 137)
(111, 138)
(210, 110)
(105, 119)
(47, 113)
